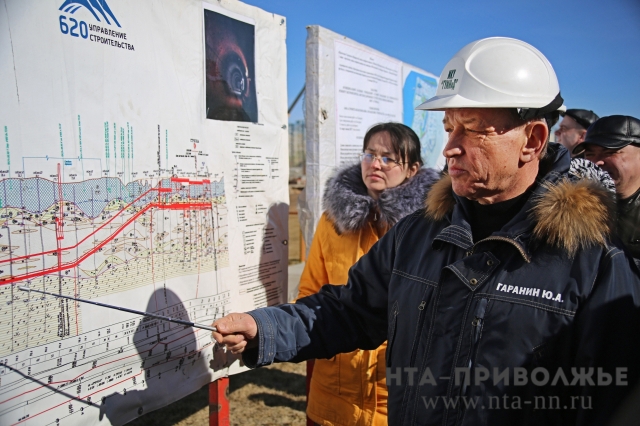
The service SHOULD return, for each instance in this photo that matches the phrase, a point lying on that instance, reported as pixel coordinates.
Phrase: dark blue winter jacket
(537, 324)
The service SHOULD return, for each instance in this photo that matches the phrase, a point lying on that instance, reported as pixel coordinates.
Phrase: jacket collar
(627, 204)
(561, 211)
(349, 206)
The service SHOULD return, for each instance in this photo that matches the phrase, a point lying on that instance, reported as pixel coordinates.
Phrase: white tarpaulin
(349, 88)
(144, 164)
(368, 91)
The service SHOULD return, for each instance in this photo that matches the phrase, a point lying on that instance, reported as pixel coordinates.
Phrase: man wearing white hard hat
(503, 300)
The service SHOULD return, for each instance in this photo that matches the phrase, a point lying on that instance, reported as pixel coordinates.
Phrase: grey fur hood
(348, 204)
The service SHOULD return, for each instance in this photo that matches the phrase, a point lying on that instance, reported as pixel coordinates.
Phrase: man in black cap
(613, 143)
(573, 127)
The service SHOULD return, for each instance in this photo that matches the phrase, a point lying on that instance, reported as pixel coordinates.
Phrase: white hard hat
(498, 72)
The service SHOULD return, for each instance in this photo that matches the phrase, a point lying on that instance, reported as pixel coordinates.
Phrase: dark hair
(404, 141)
(551, 118)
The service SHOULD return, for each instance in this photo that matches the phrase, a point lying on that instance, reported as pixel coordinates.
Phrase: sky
(594, 46)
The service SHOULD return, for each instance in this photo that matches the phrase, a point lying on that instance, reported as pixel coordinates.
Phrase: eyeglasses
(386, 163)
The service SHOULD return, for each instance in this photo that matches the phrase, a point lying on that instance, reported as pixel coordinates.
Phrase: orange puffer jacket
(350, 389)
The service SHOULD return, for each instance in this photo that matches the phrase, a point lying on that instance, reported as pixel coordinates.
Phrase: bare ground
(273, 395)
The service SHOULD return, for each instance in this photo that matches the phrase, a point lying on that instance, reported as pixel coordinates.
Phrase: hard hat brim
(438, 103)
(441, 103)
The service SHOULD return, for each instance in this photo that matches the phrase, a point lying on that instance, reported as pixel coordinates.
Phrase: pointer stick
(133, 311)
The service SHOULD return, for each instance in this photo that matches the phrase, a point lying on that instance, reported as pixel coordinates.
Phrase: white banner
(349, 88)
(143, 164)
(368, 91)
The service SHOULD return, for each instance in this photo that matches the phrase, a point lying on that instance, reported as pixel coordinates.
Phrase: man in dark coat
(503, 300)
(613, 143)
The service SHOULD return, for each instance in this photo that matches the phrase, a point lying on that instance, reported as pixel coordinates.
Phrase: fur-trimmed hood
(349, 206)
(562, 211)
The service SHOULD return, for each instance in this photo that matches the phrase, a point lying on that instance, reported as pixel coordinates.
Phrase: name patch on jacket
(530, 291)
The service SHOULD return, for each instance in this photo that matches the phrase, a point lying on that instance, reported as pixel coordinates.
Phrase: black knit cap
(612, 132)
(584, 117)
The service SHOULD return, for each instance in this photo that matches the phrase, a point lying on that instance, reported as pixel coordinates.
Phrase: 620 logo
(102, 13)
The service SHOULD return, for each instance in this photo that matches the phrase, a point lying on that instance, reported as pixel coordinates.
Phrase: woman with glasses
(361, 203)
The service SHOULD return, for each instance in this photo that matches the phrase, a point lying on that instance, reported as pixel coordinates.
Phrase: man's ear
(537, 134)
(583, 133)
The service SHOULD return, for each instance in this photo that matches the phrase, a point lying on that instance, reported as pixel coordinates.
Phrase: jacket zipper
(416, 339)
(392, 332)
(506, 240)
(476, 329)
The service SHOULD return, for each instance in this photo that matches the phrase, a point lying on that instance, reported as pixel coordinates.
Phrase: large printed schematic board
(143, 164)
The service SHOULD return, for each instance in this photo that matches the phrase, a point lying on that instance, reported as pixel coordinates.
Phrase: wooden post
(219, 402)
(310, 364)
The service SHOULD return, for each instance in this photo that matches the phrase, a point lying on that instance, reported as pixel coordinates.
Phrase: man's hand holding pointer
(237, 332)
